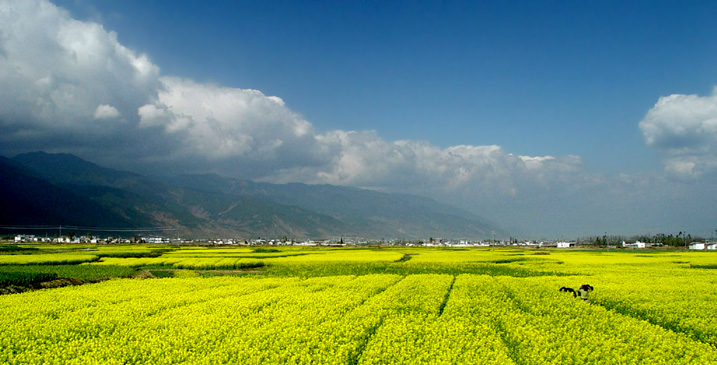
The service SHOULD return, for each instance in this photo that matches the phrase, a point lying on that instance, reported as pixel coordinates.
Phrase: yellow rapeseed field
(375, 306)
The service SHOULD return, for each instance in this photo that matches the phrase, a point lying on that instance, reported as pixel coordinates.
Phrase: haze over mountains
(52, 189)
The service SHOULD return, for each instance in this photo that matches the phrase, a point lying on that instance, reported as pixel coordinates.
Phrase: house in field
(566, 244)
(637, 244)
(25, 238)
(697, 246)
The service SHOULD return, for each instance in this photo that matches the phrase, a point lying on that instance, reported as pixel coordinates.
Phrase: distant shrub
(161, 274)
(25, 278)
(125, 255)
(15, 248)
(401, 268)
(82, 272)
(265, 250)
(183, 274)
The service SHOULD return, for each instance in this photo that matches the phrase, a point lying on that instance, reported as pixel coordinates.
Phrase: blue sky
(555, 77)
(573, 97)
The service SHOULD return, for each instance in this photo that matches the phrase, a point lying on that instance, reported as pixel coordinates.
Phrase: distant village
(349, 241)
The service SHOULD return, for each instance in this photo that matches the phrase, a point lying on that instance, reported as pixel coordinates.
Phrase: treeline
(678, 240)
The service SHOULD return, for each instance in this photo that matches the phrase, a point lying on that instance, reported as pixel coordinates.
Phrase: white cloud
(219, 122)
(684, 129)
(105, 111)
(60, 75)
(364, 159)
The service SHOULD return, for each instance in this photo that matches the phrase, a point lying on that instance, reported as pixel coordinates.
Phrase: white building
(697, 246)
(25, 238)
(637, 244)
(566, 244)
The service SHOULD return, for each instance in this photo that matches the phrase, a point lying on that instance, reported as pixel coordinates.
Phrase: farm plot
(362, 306)
(341, 319)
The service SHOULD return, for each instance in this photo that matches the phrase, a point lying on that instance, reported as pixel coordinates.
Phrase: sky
(549, 118)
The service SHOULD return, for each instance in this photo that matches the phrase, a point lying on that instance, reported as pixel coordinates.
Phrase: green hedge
(25, 278)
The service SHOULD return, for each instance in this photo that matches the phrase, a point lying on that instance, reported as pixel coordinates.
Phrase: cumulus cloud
(84, 74)
(475, 172)
(684, 129)
(222, 123)
(70, 86)
(64, 77)
(60, 75)
(105, 111)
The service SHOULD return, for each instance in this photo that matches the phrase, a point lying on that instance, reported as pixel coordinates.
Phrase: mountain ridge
(210, 205)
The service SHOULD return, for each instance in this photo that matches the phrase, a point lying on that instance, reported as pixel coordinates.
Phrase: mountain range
(60, 189)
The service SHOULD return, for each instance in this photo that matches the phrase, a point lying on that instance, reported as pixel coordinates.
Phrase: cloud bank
(684, 129)
(70, 86)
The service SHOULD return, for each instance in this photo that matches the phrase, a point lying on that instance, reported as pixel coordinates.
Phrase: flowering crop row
(227, 259)
(681, 302)
(646, 308)
(542, 325)
(503, 320)
(343, 319)
(201, 263)
(48, 259)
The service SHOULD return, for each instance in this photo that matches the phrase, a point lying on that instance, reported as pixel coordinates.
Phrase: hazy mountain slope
(211, 205)
(26, 199)
(134, 200)
(63, 168)
(138, 200)
(258, 217)
(381, 214)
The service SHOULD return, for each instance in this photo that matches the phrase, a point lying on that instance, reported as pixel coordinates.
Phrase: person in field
(584, 291)
(569, 290)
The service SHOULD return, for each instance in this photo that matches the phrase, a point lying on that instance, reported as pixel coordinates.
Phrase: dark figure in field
(584, 291)
(569, 290)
